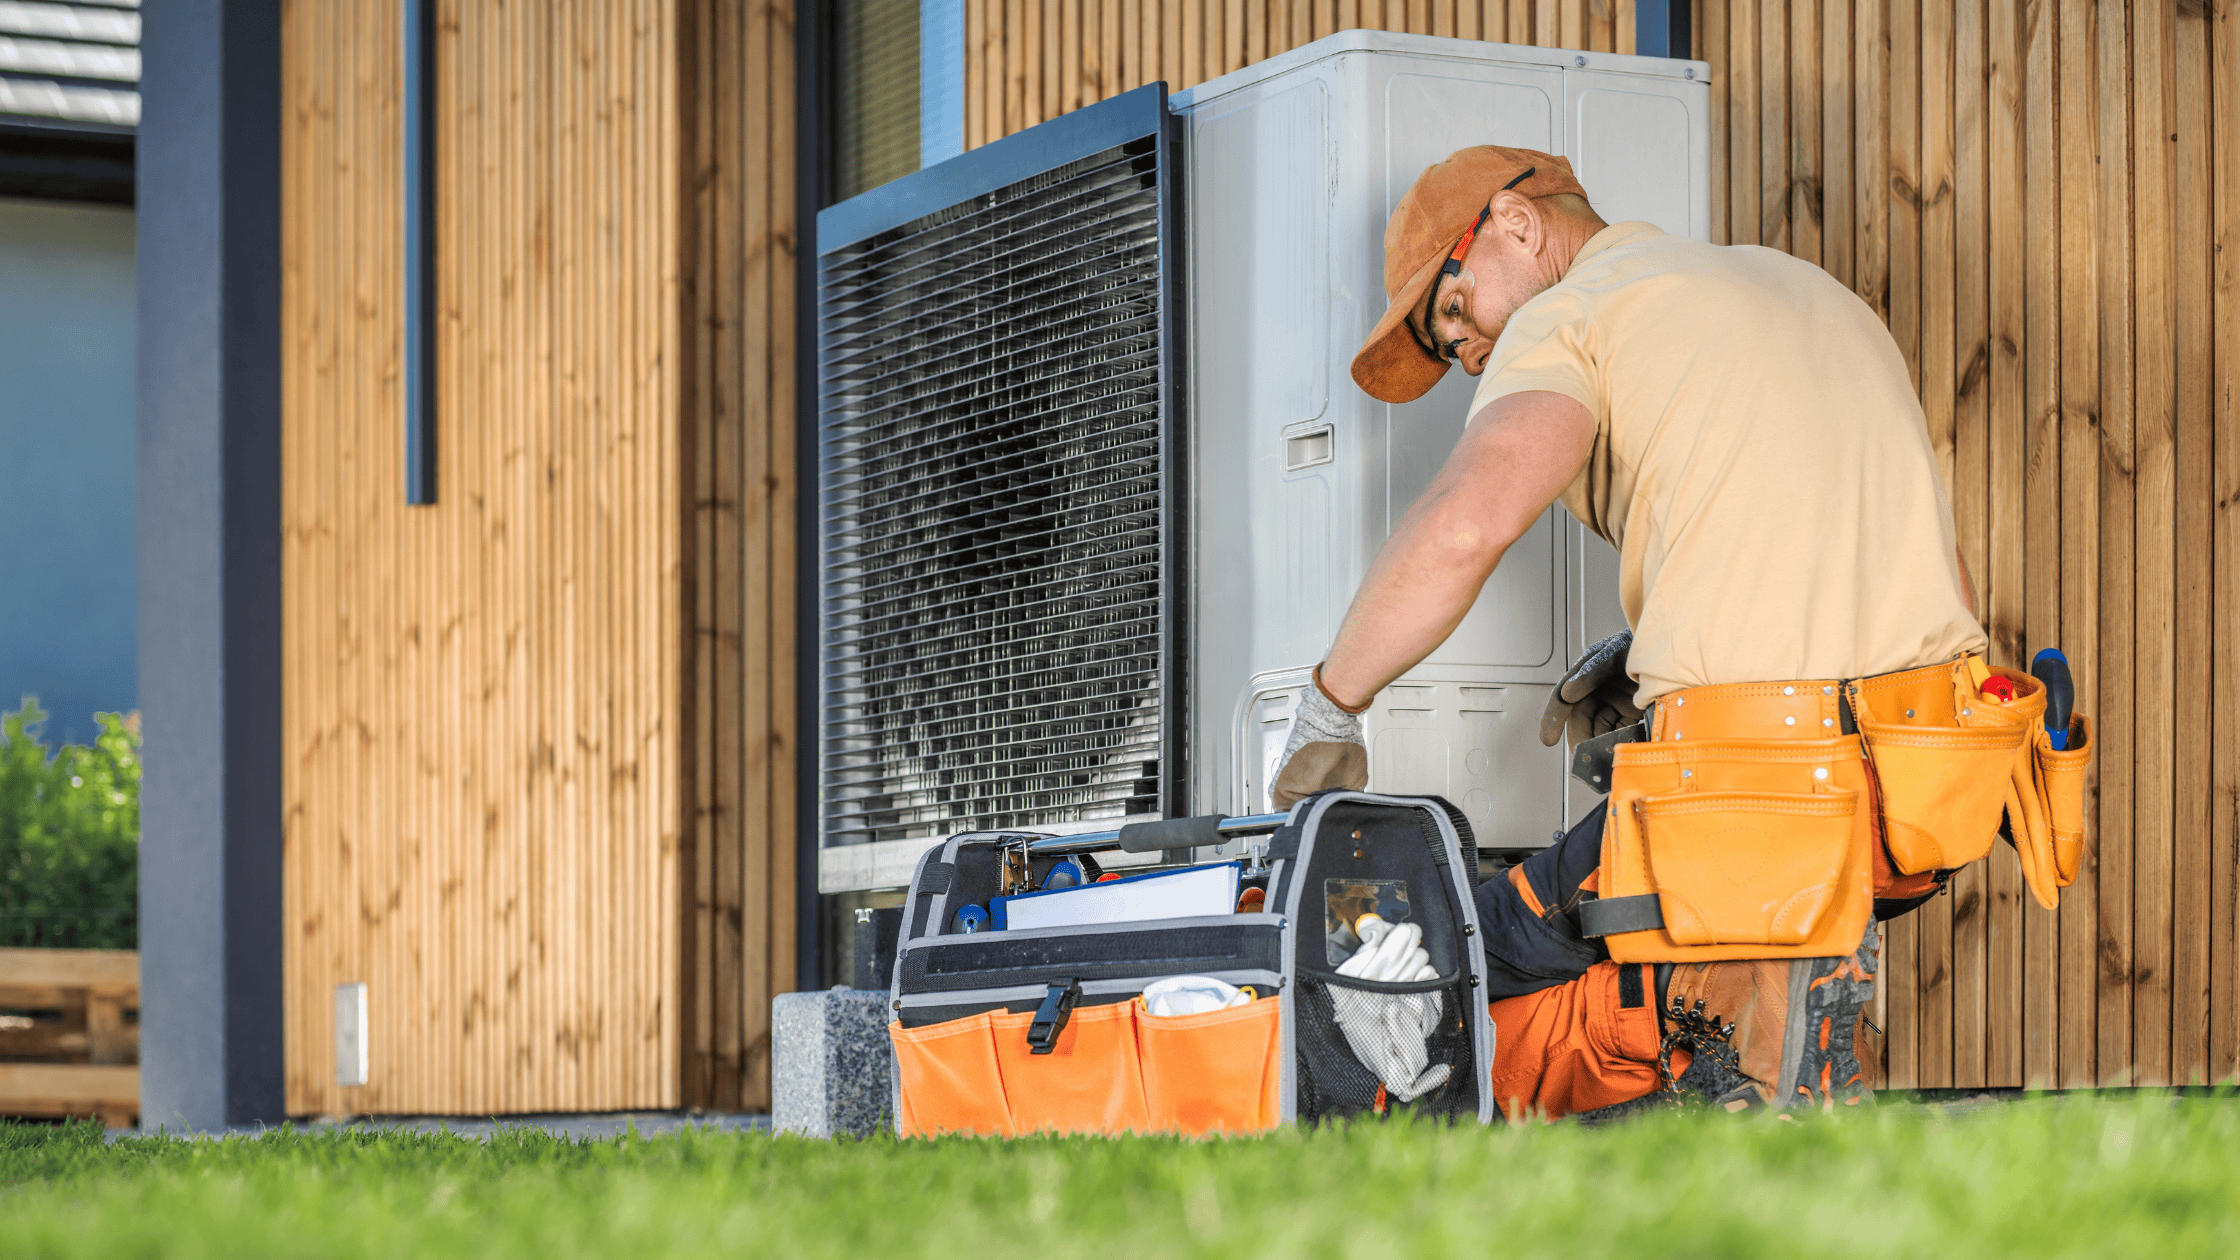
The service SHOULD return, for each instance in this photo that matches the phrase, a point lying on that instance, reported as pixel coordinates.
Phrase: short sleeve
(1548, 345)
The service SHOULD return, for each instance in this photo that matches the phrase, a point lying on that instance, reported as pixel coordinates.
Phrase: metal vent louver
(996, 585)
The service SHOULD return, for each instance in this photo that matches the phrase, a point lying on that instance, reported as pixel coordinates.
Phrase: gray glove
(1595, 696)
(1325, 751)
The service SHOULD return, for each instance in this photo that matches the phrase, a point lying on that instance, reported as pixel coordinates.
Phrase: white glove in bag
(1191, 995)
(1390, 1032)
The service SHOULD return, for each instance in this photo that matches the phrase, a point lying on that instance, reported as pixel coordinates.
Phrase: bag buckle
(1050, 1017)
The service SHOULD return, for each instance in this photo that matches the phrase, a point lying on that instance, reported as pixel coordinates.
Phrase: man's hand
(1325, 751)
(1595, 696)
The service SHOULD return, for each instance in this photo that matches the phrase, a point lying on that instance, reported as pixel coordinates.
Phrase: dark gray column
(209, 330)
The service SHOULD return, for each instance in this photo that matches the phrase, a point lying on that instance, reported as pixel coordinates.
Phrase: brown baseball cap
(1426, 226)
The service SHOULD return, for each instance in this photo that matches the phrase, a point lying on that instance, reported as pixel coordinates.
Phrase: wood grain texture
(2224, 739)
(2041, 510)
(485, 790)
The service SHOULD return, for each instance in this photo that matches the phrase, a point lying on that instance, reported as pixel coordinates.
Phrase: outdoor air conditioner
(1096, 485)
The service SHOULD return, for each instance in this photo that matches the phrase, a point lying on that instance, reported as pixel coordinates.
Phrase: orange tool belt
(1761, 820)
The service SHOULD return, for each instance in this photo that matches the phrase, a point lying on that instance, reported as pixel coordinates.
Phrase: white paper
(1179, 894)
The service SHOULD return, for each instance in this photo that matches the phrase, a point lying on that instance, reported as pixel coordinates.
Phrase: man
(1743, 429)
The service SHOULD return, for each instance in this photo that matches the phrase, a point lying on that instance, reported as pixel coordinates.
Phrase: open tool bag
(1021, 1030)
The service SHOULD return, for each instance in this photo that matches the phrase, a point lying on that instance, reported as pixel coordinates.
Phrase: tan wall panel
(484, 775)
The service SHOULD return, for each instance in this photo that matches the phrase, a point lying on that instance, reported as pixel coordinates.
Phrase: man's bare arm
(1514, 458)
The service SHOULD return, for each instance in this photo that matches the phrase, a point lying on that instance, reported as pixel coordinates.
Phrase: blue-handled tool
(2051, 669)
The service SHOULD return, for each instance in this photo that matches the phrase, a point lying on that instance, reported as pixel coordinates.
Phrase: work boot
(1789, 1027)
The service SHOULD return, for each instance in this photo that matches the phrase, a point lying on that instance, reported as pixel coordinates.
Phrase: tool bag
(1043, 1029)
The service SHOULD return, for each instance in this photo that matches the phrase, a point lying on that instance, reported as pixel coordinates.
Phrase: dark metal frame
(66, 162)
(1135, 115)
(419, 97)
(810, 107)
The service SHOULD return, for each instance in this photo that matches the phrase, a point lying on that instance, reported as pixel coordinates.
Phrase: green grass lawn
(2131, 1176)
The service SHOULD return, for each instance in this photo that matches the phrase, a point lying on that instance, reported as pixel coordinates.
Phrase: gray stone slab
(831, 1063)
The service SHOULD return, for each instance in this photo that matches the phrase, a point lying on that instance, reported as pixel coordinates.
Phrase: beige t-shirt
(1760, 462)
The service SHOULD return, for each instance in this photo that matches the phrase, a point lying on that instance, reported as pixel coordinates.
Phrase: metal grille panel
(993, 450)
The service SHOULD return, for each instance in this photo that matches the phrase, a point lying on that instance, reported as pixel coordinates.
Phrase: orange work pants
(1578, 1046)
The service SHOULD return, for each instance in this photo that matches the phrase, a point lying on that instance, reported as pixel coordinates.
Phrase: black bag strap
(1608, 916)
(1465, 839)
(936, 878)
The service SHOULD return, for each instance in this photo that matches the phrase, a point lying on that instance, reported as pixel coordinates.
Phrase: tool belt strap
(1606, 915)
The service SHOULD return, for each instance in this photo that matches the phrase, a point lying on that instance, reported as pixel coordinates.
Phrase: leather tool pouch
(1944, 756)
(2045, 810)
(1734, 848)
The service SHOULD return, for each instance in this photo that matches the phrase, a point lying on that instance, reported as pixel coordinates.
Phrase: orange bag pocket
(1746, 868)
(949, 1078)
(1943, 790)
(2061, 781)
(1219, 1072)
(1090, 1082)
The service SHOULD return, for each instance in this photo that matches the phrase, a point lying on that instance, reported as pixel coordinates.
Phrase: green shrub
(69, 835)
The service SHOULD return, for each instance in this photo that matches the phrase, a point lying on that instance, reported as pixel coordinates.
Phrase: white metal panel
(1295, 165)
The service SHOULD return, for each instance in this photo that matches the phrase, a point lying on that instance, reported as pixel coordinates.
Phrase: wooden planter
(70, 1034)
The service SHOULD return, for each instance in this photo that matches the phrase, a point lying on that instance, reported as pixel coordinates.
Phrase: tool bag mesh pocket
(1335, 1081)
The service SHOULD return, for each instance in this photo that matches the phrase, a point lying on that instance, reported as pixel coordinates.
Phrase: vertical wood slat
(2224, 820)
(2154, 301)
(2042, 506)
(2080, 505)
(2117, 558)
(513, 913)
(2193, 582)
(2005, 483)
(1967, 359)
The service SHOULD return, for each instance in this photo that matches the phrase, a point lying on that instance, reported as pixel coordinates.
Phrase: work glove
(1391, 1032)
(1325, 751)
(1595, 696)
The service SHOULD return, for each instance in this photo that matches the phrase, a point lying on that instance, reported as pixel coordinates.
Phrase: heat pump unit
(1096, 484)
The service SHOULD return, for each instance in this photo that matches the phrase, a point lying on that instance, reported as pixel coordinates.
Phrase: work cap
(1392, 365)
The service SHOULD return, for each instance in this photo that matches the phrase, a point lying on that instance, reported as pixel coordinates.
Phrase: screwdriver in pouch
(2051, 668)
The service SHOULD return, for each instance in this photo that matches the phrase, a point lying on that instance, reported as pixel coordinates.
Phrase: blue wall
(68, 567)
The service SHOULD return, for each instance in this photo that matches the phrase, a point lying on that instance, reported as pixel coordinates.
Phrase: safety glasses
(1453, 267)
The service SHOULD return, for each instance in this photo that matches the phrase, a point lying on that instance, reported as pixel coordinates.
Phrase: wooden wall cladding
(484, 753)
(739, 862)
(1031, 60)
(2042, 198)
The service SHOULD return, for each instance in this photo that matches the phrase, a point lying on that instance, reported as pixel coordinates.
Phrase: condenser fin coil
(996, 579)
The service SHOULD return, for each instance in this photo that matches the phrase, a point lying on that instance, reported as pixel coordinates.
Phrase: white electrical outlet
(350, 1034)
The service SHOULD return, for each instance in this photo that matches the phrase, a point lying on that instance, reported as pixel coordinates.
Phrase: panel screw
(1789, 721)
(1581, 62)
(1788, 691)
(1688, 73)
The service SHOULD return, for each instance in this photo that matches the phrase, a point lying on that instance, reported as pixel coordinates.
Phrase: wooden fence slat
(1805, 169)
(2192, 549)
(2224, 821)
(1838, 176)
(1968, 360)
(1745, 124)
(2154, 125)
(2005, 479)
(2117, 553)
(2079, 138)
(2042, 508)
(1775, 157)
